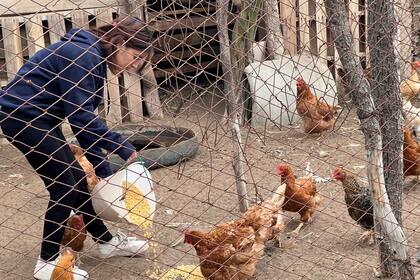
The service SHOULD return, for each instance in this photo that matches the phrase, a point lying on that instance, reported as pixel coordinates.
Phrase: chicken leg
(367, 236)
(296, 231)
(307, 218)
(291, 237)
(320, 136)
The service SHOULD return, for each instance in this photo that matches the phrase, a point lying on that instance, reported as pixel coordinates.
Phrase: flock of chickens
(232, 250)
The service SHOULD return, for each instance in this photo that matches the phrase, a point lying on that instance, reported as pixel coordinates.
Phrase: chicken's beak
(335, 174)
(187, 239)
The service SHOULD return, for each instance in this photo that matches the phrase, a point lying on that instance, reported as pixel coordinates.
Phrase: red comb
(78, 220)
(300, 83)
(280, 168)
(415, 65)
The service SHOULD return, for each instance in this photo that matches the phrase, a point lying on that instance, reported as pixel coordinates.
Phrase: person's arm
(78, 84)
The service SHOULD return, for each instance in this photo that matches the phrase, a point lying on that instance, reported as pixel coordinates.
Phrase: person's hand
(132, 157)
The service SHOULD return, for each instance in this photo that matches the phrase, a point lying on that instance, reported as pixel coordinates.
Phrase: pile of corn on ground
(184, 272)
(140, 214)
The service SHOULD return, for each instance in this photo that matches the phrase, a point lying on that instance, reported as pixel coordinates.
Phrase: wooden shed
(185, 32)
(186, 38)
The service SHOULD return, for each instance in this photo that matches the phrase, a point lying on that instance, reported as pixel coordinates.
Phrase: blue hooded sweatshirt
(66, 80)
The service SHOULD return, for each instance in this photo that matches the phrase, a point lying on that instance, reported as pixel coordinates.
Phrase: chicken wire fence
(176, 114)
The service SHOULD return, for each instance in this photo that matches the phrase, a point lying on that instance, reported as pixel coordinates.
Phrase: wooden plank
(151, 93)
(186, 53)
(151, 87)
(103, 16)
(12, 45)
(113, 104)
(149, 80)
(10, 7)
(56, 27)
(167, 73)
(35, 34)
(330, 44)
(367, 53)
(313, 37)
(145, 17)
(404, 43)
(191, 39)
(321, 22)
(354, 22)
(191, 12)
(288, 16)
(311, 21)
(136, 8)
(134, 97)
(304, 25)
(191, 23)
(80, 19)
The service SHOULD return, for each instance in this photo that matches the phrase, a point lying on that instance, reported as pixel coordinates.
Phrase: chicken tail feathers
(278, 196)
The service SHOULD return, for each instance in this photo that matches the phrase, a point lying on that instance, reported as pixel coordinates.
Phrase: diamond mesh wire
(178, 114)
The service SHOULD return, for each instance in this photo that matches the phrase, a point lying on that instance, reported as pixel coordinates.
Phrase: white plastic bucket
(126, 196)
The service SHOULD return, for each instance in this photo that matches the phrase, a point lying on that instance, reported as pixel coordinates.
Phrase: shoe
(122, 246)
(43, 270)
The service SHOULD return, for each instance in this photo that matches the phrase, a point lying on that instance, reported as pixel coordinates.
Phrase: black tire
(158, 146)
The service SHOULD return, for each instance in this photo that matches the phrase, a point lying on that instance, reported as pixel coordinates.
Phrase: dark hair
(129, 31)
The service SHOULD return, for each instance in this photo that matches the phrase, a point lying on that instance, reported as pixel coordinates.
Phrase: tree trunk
(391, 231)
(274, 37)
(386, 95)
(232, 86)
(243, 36)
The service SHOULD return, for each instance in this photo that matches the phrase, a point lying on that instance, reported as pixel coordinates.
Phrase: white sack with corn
(126, 196)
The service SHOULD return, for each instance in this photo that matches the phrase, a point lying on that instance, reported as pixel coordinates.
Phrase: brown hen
(232, 250)
(64, 267)
(92, 179)
(411, 154)
(301, 195)
(74, 233)
(317, 116)
(410, 87)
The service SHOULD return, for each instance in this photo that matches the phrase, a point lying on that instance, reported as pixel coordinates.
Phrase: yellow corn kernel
(185, 272)
(138, 208)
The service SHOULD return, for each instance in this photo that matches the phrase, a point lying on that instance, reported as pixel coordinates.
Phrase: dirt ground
(202, 190)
